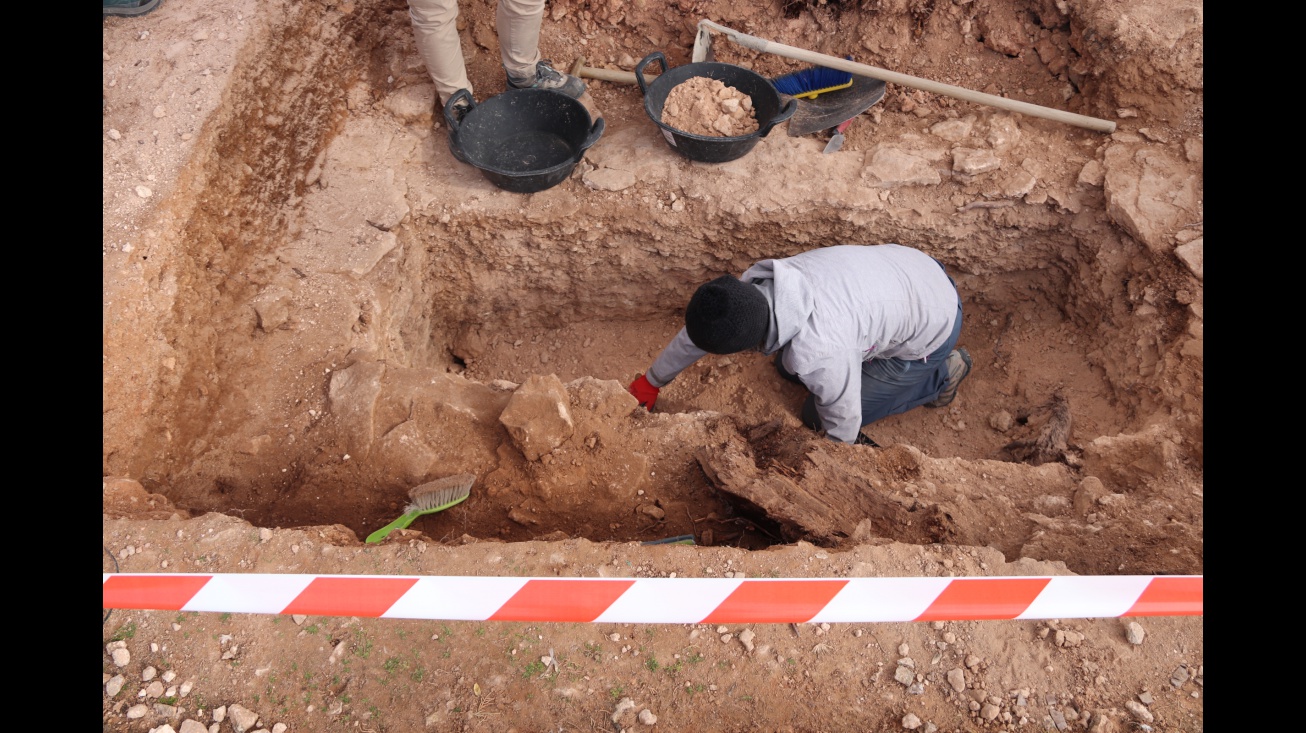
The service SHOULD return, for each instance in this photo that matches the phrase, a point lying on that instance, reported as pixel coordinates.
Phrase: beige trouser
(436, 29)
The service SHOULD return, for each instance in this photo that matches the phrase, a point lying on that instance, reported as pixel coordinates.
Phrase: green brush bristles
(430, 497)
(436, 501)
(440, 494)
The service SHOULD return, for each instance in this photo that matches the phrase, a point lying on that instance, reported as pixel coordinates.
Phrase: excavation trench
(354, 312)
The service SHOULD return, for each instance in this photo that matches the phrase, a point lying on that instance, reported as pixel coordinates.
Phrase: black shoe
(810, 417)
(459, 110)
(863, 440)
(130, 7)
(958, 368)
(785, 372)
(547, 77)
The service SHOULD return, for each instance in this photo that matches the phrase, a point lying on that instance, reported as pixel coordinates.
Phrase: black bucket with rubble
(767, 106)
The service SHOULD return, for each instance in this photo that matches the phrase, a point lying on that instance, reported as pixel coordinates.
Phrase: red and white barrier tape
(661, 600)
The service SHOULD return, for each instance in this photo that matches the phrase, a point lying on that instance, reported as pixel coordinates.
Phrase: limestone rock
(470, 344)
(1191, 255)
(351, 398)
(126, 498)
(1150, 193)
(1003, 132)
(889, 167)
(1091, 175)
(998, 25)
(1001, 421)
(608, 179)
(957, 678)
(953, 130)
(537, 416)
(272, 306)
(242, 718)
(412, 103)
(1016, 184)
(1134, 633)
(1132, 459)
(972, 162)
(605, 398)
(1139, 710)
(1087, 494)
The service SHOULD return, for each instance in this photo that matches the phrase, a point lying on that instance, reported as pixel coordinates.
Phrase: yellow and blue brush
(812, 82)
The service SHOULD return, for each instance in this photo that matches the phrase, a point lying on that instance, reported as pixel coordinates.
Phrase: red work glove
(646, 393)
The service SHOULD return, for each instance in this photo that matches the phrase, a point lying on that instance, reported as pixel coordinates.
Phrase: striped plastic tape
(660, 600)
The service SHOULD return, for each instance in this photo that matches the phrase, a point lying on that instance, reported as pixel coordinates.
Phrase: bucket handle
(455, 123)
(785, 113)
(596, 131)
(639, 69)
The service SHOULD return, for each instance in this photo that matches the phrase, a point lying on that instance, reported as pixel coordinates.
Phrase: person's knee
(432, 14)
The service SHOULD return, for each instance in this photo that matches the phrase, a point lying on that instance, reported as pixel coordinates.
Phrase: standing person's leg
(435, 28)
(518, 25)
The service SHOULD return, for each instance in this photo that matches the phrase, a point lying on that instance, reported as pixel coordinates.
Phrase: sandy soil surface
(310, 306)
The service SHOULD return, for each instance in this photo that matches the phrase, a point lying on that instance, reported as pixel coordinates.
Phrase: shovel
(832, 108)
(812, 115)
(703, 50)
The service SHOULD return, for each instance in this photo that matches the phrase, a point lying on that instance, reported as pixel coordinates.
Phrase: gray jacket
(836, 307)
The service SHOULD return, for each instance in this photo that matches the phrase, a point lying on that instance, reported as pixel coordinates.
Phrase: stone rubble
(1134, 633)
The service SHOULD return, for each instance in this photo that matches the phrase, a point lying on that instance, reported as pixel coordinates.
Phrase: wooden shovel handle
(893, 77)
(579, 69)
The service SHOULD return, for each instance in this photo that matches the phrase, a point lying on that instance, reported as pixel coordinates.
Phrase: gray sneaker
(547, 77)
(958, 367)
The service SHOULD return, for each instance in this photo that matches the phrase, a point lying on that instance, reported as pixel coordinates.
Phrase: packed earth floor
(310, 307)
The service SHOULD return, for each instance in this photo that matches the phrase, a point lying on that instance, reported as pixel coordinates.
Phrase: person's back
(881, 301)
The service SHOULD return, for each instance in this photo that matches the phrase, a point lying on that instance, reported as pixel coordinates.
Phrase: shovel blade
(836, 142)
(831, 108)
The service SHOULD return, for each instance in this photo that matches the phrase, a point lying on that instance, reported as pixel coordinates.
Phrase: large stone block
(537, 416)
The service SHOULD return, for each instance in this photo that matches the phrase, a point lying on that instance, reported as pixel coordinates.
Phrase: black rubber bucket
(766, 106)
(524, 140)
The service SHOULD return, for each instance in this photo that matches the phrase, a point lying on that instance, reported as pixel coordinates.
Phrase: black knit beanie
(727, 315)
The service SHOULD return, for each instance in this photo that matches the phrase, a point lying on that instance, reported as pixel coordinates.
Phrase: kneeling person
(870, 330)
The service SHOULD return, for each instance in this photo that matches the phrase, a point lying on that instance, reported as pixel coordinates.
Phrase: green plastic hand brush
(428, 498)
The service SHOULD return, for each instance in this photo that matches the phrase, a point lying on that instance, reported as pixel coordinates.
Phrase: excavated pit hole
(495, 297)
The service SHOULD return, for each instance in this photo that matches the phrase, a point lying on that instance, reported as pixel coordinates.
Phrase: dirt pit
(310, 307)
